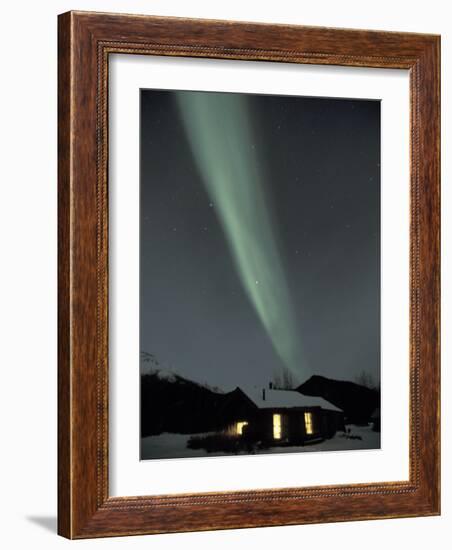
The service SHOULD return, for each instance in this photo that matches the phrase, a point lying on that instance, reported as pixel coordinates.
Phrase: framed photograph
(248, 275)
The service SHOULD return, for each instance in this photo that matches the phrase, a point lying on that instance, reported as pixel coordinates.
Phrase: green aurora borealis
(219, 130)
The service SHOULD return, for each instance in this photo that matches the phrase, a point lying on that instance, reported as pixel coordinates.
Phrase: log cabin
(285, 417)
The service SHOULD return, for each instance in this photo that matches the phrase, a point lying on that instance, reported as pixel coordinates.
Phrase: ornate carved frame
(85, 508)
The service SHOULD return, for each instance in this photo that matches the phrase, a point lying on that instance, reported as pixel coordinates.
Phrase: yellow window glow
(308, 423)
(239, 427)
(276, 426)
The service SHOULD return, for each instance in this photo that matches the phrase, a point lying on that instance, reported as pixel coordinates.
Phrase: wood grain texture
(64, 295)
(85, 42)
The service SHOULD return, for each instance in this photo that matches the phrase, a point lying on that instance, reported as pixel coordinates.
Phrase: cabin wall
(260, 425)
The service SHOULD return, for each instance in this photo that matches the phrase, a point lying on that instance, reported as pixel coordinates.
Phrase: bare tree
(283, 379)
(276, 380)
(366, 379)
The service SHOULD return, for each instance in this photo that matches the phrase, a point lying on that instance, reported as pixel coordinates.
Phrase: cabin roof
(284, 399)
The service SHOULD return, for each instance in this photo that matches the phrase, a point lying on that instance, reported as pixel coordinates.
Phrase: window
(276, 426)
(308, 423)
(239, 427)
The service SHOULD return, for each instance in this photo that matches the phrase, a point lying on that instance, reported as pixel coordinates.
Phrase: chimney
(263, 394)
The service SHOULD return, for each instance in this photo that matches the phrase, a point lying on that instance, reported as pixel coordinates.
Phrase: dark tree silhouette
(283, 379)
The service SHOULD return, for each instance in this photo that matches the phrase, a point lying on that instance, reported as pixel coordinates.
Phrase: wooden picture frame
(85, 42)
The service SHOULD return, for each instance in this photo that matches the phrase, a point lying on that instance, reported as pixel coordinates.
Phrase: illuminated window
(276, 426)
(308, 423)
(239, 427)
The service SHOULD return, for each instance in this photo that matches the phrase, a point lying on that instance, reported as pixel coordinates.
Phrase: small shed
(375, 418)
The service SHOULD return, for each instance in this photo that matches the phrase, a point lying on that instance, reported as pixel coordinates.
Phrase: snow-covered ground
(169, 445)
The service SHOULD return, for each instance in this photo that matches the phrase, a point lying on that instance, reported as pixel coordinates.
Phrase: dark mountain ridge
(178, 405)
(358, 402)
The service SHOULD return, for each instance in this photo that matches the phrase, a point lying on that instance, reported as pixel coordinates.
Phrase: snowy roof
(284, 398)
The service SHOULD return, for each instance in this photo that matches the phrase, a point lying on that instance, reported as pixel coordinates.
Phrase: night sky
(317, 164)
